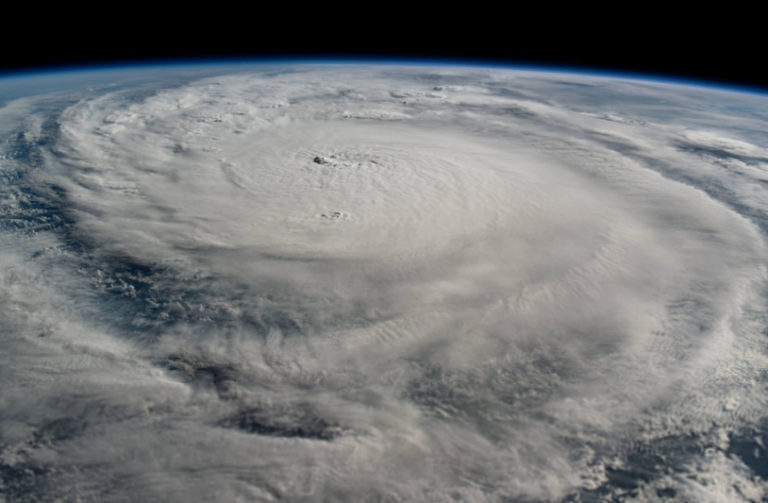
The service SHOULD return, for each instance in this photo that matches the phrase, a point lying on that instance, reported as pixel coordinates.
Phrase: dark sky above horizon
(725, 57)
(722, 45)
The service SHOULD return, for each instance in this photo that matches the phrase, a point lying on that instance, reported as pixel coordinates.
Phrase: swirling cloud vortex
(383, 284)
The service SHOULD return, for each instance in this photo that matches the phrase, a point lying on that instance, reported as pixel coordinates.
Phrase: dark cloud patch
(696, 148)
(28, 212)
(23, 482)
(292, 420)
(39, 482)
(60, 430)
(204, 374)
(751, 449)
(27, 476)
(644, 463)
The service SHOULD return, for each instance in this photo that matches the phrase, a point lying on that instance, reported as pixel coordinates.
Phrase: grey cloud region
(337, 283)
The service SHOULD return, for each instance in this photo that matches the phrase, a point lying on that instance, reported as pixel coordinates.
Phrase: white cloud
(474, 295)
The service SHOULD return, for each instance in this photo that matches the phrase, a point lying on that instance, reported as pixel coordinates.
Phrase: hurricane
(381, 283)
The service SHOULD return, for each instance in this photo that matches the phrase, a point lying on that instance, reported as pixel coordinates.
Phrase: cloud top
(340, 284)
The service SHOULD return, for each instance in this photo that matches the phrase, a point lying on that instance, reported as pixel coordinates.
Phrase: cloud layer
(389, 284)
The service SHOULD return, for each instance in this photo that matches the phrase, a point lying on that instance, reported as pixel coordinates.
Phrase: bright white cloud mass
(391, 284)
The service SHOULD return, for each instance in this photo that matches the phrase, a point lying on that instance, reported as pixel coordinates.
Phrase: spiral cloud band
(338, 283)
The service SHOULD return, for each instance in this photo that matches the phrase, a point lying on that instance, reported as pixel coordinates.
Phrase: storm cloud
(342, 283)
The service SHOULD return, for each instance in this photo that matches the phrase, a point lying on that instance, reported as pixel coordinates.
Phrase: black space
(720, 47)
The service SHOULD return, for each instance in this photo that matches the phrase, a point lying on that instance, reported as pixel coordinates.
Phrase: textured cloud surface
(383, 284)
